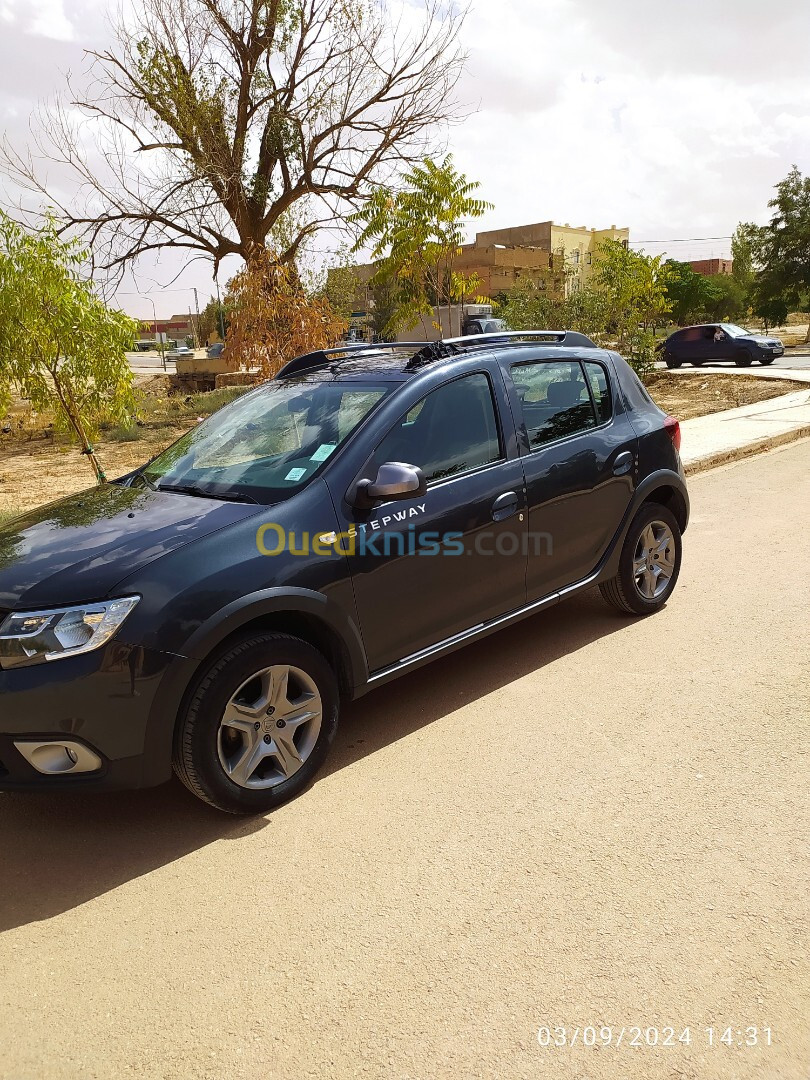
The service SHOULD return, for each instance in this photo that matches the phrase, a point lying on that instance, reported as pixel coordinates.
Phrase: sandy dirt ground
(584, 820)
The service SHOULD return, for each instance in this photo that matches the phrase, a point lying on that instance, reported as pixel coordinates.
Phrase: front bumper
(121, 702)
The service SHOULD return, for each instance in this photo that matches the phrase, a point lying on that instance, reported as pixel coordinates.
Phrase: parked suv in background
(369, 509)
(698, 345)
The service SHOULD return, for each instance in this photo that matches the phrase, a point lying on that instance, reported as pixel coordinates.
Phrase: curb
(725, 457)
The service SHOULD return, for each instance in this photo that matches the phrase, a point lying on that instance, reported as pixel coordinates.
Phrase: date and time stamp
(638, 1037)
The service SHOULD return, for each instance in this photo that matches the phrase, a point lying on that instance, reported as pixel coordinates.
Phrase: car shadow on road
(59, 851)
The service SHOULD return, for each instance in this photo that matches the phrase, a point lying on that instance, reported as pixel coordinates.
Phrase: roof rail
(565, 338)
(427, 352)
(322, 356)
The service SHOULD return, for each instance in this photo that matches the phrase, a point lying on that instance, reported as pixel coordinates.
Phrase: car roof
(402, 360)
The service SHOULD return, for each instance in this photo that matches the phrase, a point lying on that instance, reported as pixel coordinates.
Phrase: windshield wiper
(190, 489)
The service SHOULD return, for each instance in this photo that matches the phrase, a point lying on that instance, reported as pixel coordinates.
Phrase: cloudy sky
(673, 119)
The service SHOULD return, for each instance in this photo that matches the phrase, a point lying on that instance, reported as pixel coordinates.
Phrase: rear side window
(555, 400)
(450, 431)
(600, 388)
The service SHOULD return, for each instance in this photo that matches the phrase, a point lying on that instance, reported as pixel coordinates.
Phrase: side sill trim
(480, 630)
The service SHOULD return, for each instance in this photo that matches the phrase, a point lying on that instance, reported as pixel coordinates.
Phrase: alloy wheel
(270, 727)
(654, 560)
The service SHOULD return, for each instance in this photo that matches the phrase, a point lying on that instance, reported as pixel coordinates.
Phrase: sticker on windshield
(295, 474)
(323, 451)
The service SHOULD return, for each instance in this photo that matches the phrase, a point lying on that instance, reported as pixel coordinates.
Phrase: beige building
(555, 257)
(561, 256)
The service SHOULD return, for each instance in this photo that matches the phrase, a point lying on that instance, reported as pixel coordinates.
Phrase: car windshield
(735, 331)
(267, 444)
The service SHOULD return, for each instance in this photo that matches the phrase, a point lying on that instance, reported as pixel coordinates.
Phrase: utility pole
(162, 342)
(197, 324)
(220, 312)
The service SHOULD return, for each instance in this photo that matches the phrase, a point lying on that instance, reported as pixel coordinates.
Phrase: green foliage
(415, 235)
(60, 346)
(634, 286)
(213, 320)
(781, 250)
(341, 285)
(698, 297)
(622, 304)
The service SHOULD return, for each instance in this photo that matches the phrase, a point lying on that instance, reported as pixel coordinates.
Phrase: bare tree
(217, 126)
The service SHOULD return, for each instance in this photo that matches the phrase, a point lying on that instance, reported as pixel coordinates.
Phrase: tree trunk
(74, 419)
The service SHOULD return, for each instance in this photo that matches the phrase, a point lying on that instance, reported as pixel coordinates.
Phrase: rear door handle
(623, 463)
(504, 506)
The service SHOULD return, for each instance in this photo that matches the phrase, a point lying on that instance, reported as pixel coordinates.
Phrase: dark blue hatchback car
(369, 509)
(714, 342)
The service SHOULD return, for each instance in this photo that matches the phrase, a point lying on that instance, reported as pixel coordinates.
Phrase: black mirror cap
(394, 480)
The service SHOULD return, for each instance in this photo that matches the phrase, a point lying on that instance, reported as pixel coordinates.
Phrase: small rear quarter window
(600, 388)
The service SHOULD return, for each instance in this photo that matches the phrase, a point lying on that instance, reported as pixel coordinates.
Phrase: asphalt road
(584, 820)
(791, 361)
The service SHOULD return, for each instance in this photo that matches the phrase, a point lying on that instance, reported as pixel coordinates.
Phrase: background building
(177, 329)
(558, 258)
(709, 267)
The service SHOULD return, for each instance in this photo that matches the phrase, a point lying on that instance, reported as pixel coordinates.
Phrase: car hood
(761, 340)
(78, 548)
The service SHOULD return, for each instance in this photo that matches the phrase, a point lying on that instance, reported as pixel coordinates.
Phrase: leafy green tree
(690, 294)
(213, 320)
(634, 286)
(416, 234)
(782, 251)
(60, 346)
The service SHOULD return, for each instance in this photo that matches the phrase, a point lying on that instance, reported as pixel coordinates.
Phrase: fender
(183, 668)
(660, 478)
(269, 601)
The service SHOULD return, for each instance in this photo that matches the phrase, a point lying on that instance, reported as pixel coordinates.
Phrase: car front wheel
(671, 361)
(649, 563)
(258, 725)
(743, 358)
(765, 360)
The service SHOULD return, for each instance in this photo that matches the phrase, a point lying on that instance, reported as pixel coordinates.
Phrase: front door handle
(623, 463)
(504, 506)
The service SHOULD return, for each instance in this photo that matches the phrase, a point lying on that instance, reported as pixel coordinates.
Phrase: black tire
(621, 591)
(743, 358)
(697, 363)
(671, 361)
(766, 360)
(196, 757)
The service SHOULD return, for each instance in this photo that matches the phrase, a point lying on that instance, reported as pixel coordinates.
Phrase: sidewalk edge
(761, 446)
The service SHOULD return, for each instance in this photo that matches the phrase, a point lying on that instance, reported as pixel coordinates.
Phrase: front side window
(734, 331)
(268, 443)
(555, 400)
(450, 431)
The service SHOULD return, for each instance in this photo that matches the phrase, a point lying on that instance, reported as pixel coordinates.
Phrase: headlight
(31, 637)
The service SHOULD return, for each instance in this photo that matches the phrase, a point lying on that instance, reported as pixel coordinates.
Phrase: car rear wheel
(671, 361)
(649, 563)
(742, 358)
(259, 724)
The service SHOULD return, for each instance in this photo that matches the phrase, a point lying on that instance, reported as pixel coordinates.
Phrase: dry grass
(690, 394)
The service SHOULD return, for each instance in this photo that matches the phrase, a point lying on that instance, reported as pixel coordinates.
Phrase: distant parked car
(182, 352)
(697, 345)
(482, 324)
(213, 352)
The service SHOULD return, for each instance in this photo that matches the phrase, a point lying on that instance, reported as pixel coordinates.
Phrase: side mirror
(394, 480)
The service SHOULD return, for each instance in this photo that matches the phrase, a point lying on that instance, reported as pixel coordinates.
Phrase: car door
(432, 566)
(579, 458)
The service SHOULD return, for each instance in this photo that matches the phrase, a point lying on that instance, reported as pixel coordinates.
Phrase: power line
(683, 240)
